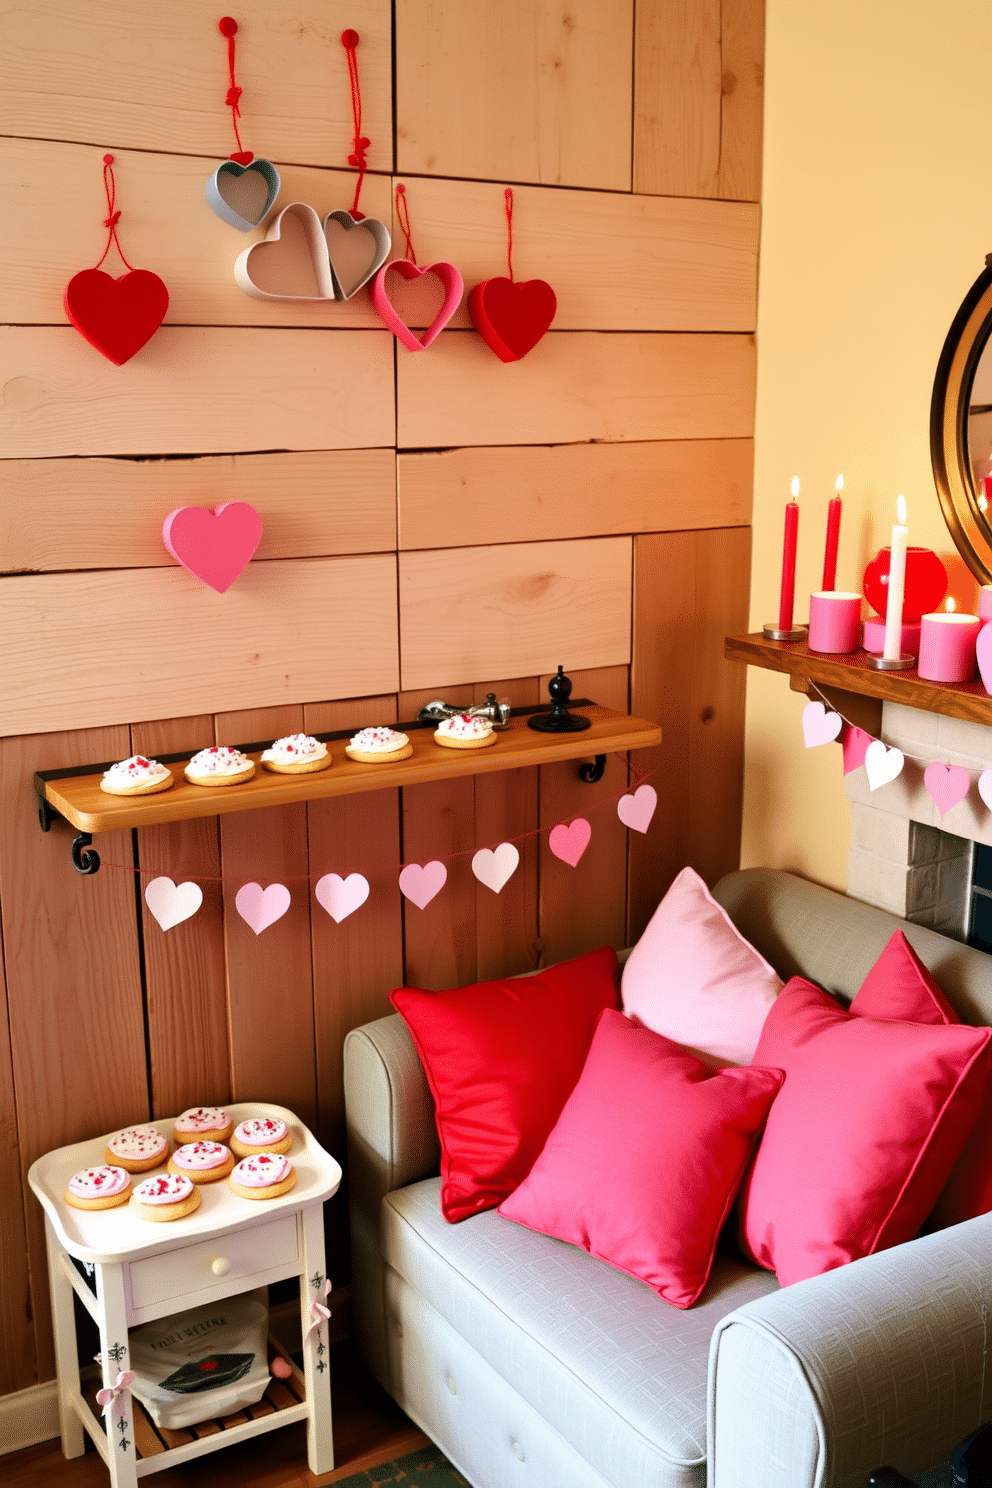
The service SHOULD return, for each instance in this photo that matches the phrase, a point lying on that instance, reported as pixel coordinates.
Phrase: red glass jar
(925, 587)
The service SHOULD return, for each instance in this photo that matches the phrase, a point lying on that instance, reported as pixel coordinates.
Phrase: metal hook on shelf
(84, 858)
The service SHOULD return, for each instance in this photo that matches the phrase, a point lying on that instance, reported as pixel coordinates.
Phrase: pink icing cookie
(138, 1148)
(98, 1183)
(263, 1177)
(202, 1123)
(164, 1188)
(261, 1132)
(198, 1156)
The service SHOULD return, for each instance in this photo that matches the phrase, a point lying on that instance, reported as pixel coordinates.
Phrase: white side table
(143, 1271)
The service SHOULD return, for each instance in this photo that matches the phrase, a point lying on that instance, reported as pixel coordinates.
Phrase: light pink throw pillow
(694, 978)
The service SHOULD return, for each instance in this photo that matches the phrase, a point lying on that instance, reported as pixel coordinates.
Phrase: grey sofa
(528, 1361)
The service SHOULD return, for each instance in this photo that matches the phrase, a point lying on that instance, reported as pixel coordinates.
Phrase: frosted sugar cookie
(264, 1134)
(465, 731)
(136, 776)
(378, 746)
(137, 1149)
(219, 765)
(202, 1124)
(203, 1162)
(98, 1188)
(166, 1196)
(263, 1177)
(296, 754)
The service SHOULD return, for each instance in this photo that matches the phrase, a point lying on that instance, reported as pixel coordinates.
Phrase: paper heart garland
(341, 896)
(985, 787)
(983, 651)
(260, 908)
(452, 283)
(420, 884)
(252, 184)
(215, 545)
(946, 785)
(346, 283)
(569, 843)
(855, 745)
(171, 903)
(819, 726)
(881, 764)
(511, 318)
(494, 867)
(117, 316)
(637, 810)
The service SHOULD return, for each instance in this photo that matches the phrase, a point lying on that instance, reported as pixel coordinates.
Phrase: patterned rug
(427, 1468)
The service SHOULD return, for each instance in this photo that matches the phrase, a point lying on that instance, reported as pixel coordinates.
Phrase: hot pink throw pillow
(693, 977)
(501, 1059)
(645, 1159)
(900, 986)
(859, 1143)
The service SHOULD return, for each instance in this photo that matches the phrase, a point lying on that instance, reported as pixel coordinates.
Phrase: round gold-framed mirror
(961, 428)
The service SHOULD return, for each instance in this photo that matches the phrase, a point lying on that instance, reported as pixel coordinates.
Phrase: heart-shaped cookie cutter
(452, 283)
(222, 180)
(265, 252)
(381, 244)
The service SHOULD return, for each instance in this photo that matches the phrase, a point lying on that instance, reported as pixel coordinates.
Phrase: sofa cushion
(646, 1157)
(618, 1374)
(863, 1134)
(694, 978)
(501, 1059)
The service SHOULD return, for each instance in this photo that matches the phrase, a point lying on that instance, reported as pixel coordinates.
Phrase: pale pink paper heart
(855, 745)
(637, 810)
(819, 726)
(569, 843)
(215, 545)
(341, 896)
(946, 785)
(985, 787)
(882, 765)
(494, 867)
(420, 884)
(260, 908)
(171, 903)
(983, 650)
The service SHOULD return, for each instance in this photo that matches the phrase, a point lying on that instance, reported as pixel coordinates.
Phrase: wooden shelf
(76, 795)
(967, 700)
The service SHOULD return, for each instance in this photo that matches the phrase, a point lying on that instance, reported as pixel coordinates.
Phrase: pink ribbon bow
(318, 1311)
(108, 1396)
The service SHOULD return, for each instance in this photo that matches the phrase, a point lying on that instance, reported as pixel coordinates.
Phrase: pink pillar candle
(947, 647)
(985, 602)
(834, 621)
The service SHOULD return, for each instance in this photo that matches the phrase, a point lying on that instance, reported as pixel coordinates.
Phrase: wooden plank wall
(435, 524)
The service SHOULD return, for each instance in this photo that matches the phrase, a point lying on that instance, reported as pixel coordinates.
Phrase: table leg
(119, 1419)
(66, 1358)
(316, 1351)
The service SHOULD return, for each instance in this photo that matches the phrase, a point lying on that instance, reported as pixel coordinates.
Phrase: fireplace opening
(980, 921)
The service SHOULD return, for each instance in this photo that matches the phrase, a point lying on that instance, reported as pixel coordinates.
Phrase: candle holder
(901, 663)
(772, 633)
(559, 720)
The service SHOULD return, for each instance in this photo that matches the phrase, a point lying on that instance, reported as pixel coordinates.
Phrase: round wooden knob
(220, 1266)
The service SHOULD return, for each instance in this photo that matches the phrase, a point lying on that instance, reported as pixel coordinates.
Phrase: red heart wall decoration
(117, 316)
(215, 545)
(511, 318)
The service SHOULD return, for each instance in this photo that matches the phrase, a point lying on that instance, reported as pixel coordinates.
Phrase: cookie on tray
(203, 1162)
(265, 1176)
(262, 1134)
(104, 1187)
(166, 1196)
(138, 1149)
(202, 1124)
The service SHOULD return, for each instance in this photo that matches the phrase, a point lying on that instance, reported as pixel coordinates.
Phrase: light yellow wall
(877, 215)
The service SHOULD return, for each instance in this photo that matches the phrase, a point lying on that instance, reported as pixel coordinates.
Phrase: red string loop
(508, 194)
(227, 26)
(349, 40)
(403, 216)
(113, 215)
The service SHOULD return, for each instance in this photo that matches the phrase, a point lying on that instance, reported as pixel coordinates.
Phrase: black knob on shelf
(559, 720)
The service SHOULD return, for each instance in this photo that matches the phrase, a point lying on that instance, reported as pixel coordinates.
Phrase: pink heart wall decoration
(171, 903)
(341, 896)
(637, 810)
(985, 787)
(946, 785)
(569, 843)
(260, 908)
(882, 765)
(495, 867)
(983, 650)
(420, 884)
(855, 745)
(452, 283)
(819, 726)
(215, 545)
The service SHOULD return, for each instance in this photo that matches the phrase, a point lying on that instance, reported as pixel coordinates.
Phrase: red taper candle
(788, 593)
(833, 539)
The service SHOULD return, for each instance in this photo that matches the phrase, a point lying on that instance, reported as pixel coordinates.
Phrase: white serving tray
(113, 1235)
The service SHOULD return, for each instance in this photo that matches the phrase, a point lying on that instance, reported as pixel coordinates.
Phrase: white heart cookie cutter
(275, 271)
(381, 244)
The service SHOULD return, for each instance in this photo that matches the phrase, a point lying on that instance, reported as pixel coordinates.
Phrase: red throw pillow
(501, 1059)
(859, 1143)
(646, 1158)
(900, 986)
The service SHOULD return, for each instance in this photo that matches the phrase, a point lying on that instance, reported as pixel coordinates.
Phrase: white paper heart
(171, 903)
(819, 726)
(985, 787)
(341, 896)
(420, 884)
(881, 764)
(291, 262)
(260, 908)
(637, 810)
(494, 867)
(351, 267)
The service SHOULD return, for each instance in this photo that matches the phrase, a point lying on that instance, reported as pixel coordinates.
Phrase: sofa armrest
(881, 1361)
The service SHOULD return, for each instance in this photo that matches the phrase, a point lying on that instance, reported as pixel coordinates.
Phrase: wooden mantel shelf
(77, 796)
(967, 700)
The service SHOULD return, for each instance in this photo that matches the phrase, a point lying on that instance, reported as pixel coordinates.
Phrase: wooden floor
(369, 1428)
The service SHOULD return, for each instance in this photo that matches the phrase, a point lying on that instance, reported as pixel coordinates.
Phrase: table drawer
(236, 1256)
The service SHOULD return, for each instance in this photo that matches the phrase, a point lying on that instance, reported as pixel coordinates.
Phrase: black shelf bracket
(590, 773)
(85, 859)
